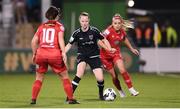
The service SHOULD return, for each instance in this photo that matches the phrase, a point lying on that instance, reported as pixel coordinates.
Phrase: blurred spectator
(33, 10)
(24, 34)
(148, 37)
(172, 37)
(138, 36)
(164, 36)
(20, 10)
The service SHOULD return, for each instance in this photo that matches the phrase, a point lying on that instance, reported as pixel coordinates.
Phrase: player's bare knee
(39, 76)
(80, 73)
(99, 77)
(122, 71)
(64, 75)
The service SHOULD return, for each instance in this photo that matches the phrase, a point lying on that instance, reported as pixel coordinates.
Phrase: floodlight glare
(131, 3)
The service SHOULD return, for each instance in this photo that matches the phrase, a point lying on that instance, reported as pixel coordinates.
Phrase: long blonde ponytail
(125, 23)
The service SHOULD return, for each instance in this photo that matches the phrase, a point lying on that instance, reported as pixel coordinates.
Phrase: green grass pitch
(155, 91)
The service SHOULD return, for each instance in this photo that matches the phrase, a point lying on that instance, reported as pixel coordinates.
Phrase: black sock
(117, 84)
(100, 84)
(75, 83)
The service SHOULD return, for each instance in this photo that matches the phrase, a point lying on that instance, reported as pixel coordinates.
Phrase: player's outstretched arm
(104, 46)
(106, 42)
(62, 45)
(68, 47)
(128, 44)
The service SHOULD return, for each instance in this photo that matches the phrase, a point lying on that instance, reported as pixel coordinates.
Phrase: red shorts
(108, 61)
(57, 65)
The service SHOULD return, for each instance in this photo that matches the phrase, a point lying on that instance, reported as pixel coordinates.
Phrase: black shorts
(93, 62)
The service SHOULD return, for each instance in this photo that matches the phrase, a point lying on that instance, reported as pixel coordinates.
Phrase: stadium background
(16, 35)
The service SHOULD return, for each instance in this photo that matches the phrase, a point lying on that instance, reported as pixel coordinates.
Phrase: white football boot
(133, 91)
(122, 94)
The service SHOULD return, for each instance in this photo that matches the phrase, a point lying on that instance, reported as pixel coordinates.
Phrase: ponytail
(125, 23)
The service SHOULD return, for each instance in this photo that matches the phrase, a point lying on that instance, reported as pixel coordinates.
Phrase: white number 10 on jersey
(48, 35)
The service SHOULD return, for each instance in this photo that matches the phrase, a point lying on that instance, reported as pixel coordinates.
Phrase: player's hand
(112, 50)
(64, 58)
(135, 51)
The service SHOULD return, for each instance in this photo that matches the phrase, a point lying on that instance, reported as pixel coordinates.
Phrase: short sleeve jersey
(87, 41)
(47, 35)
(114, 38)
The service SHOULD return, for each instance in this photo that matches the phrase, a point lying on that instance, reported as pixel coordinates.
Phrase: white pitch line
(171, 75)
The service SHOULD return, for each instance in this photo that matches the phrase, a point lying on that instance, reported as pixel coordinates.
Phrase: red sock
(127, 79)
(68, 88)
(116, 82)
(36, 88)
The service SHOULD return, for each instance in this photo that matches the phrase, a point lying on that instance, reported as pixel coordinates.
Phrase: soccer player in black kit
(88, 38)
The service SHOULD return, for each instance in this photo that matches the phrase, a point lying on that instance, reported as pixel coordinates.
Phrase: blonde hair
(84, 14)
(125, 23)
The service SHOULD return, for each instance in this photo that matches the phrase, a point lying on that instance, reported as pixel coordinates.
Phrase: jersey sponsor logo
(91, 37)
(88, 43)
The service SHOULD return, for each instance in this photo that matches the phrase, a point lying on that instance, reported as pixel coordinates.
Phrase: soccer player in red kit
(49, 49)
(116, 34)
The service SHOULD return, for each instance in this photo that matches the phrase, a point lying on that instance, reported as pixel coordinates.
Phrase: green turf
(155, 91)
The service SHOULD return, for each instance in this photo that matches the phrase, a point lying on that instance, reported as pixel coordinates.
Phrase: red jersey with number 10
(47, 34)
(114, 39)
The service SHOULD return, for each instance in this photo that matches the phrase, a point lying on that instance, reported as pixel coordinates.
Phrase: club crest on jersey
(90, 37)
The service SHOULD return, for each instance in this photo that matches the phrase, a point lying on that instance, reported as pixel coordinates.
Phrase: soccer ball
(109, 94)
